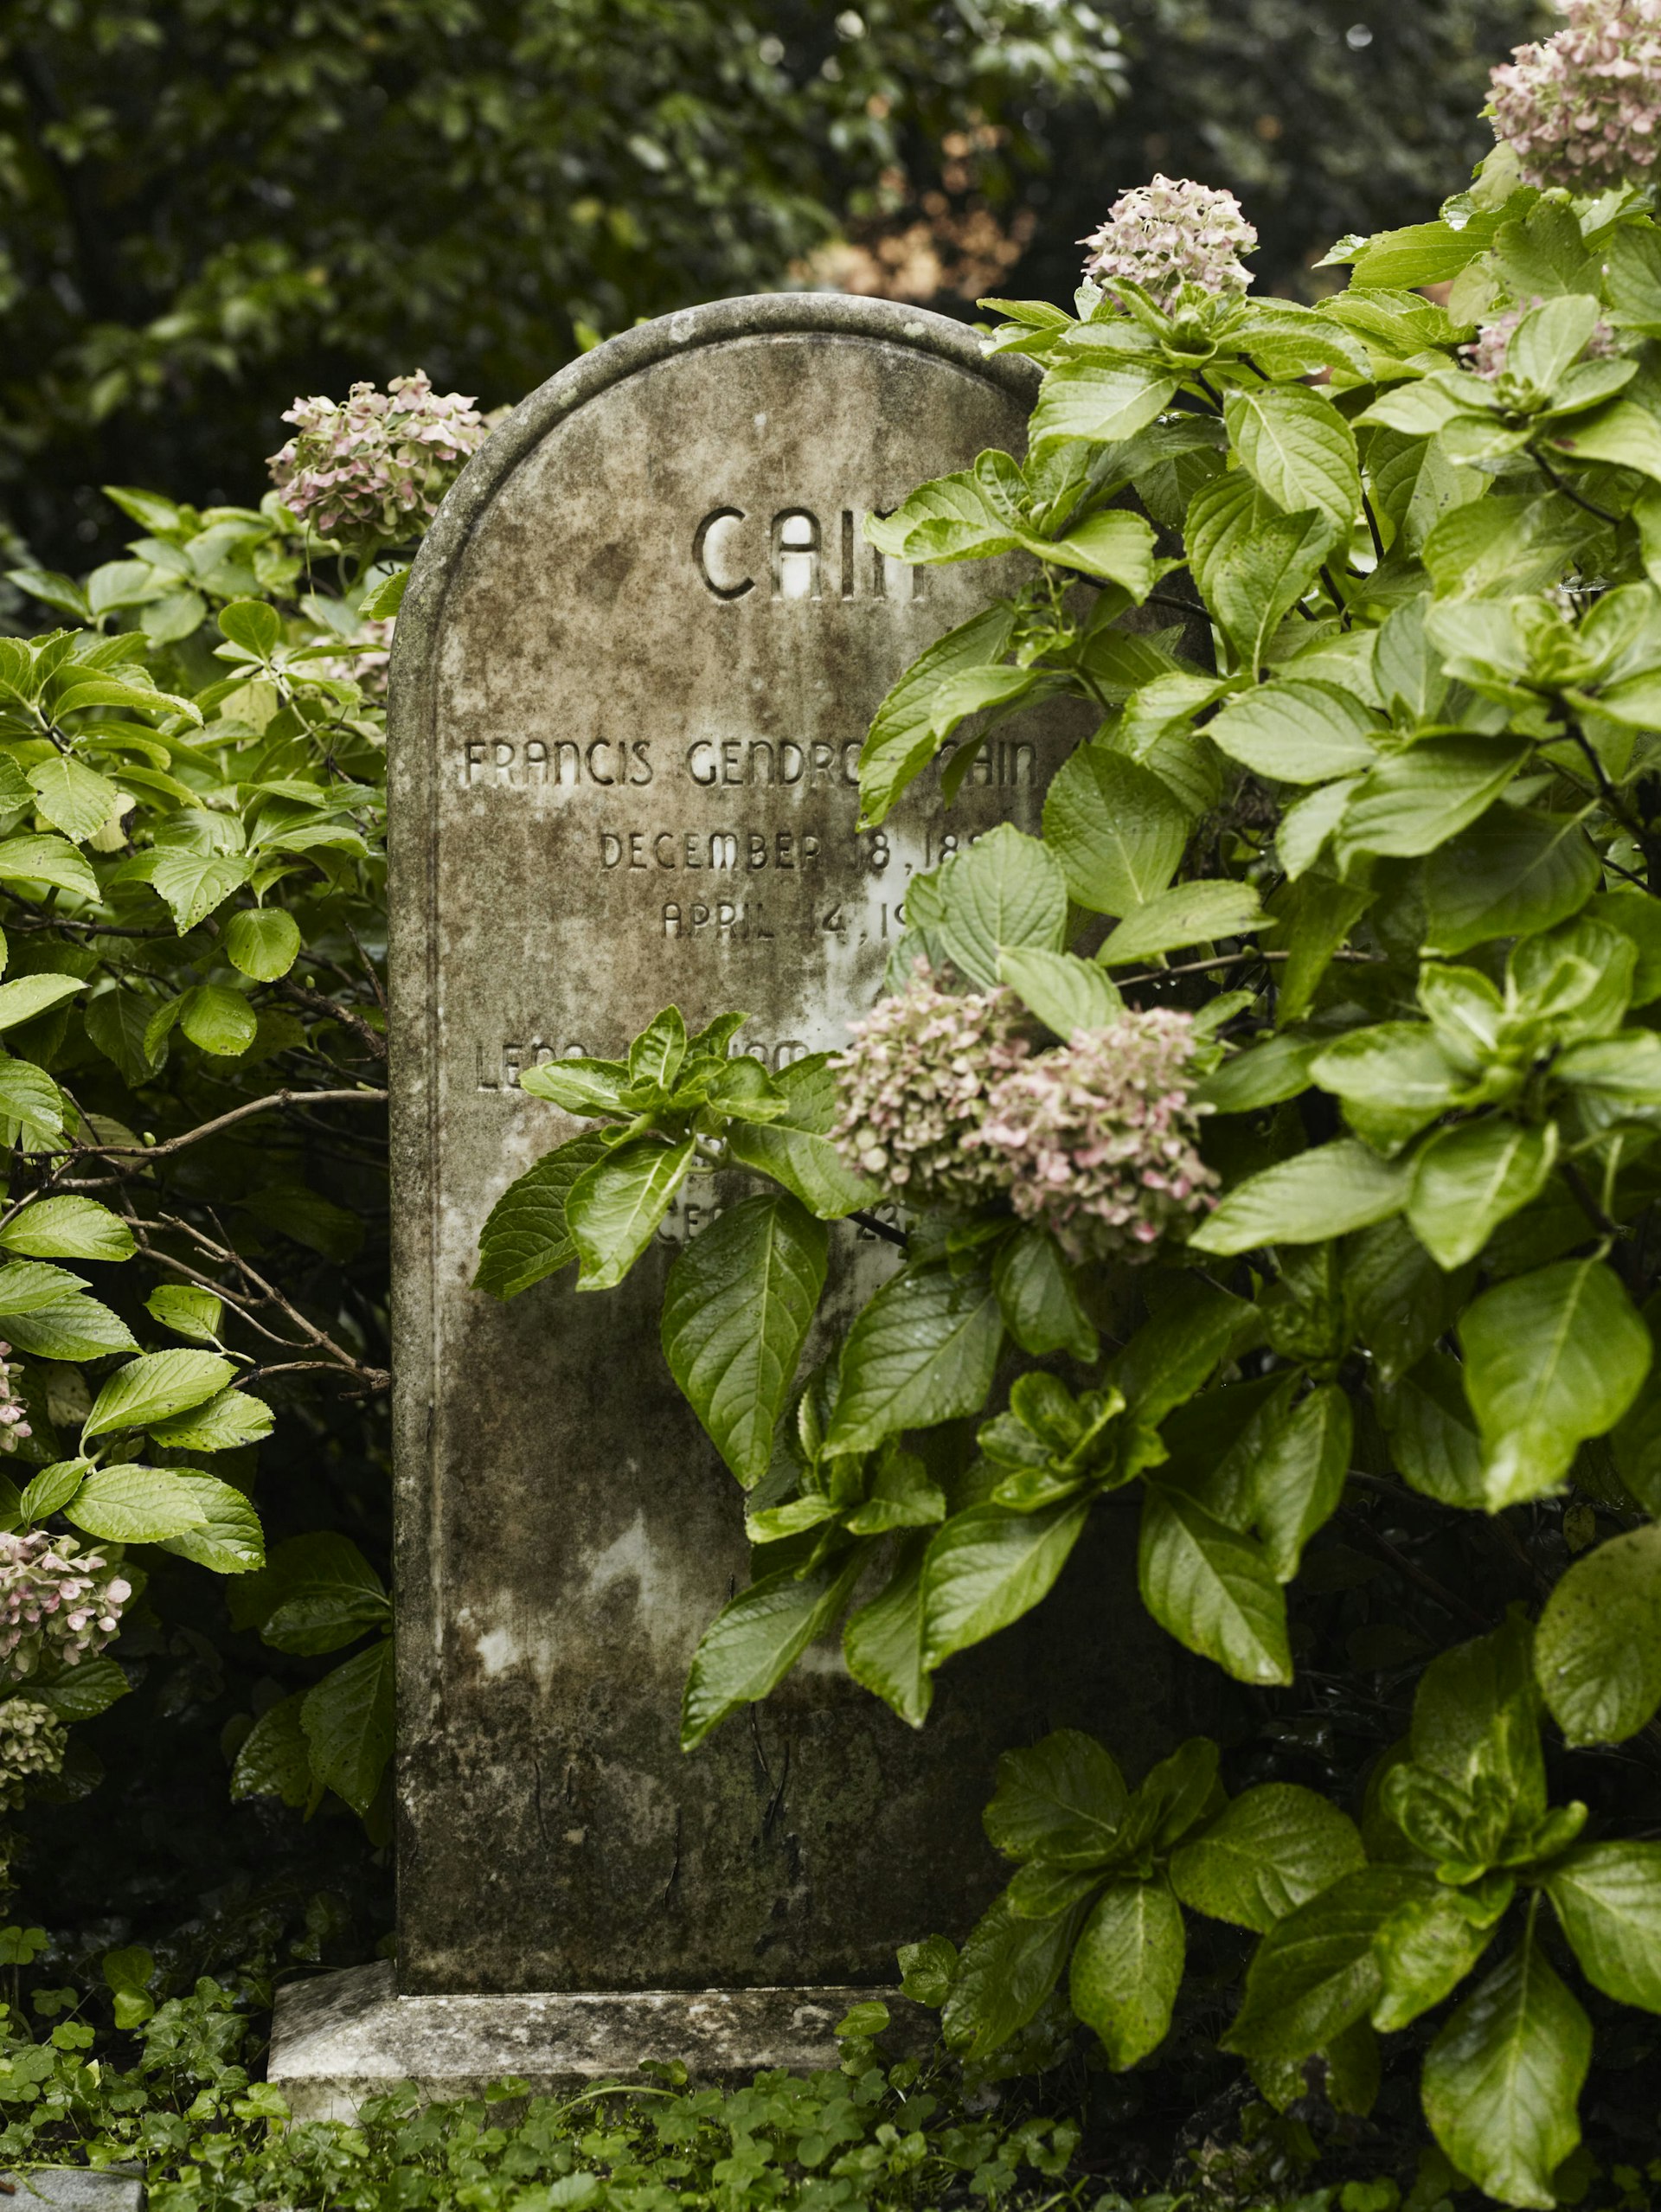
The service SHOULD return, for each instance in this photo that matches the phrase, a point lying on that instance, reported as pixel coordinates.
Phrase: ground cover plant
(1275, 1135)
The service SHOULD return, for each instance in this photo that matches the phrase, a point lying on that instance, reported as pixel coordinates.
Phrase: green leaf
(193, 883)
(81, 1693)
(656, 1053)
(882, 1641)
(526, 1237)
(1420, 798)
(1513, 872)
(315, 1594)
(1468, 1179)
(275, 1759)
(1299, 1474)
(128, 1973)
(965, 517)
(26, 997)
(1260, 1077)
(224, 1424)
(347, 1720)
(73, 796)
(155, 1388)
(116, 1022)
(228, 1538)
(1316, 1194)
(381, 602)
(1171, 1357)
(756, 1638)
(989, 1566)
(1061, 1800)
(1624, 432)
(1102, 401)
(72, 1327)
(1433, 1433)
(188, 1310)
(1116, 829)
(1608, 1898)
(923, 1351)
(613, 1208)
(1299, 447)
(1039, 1302)
(1007, 889)
(586, 1086)
(1501, 2081)
(1188, 914)
(263, 941)
(1550, 1358)
(1637, 917)
(1113, 545)
(736, 1310)
(52, 861)
(1211, 1587)
(254, 624)
(1425, 1950)
(1316, 1972)
(51, 1490)
(901, 741)
(1065, 993)
(1597, 1651)
(1252, 563)
(1268, 1852)
(1298, 731)
(68, 1229)
(216, 1020)
(31, 1105)
(1008, 1968)
(137, 1505)
(797, 1151)
(1127, 1968)
(1476, 1717)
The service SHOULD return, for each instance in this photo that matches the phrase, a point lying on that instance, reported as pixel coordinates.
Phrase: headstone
(640, 649)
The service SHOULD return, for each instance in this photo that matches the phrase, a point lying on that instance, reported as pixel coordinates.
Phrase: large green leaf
(613, 1209)
(137, 1505)
(1006, 889)
(1039, 1299)
(155, 1388)
(1299, 448)
(347, 1720)
(1062, 1800)
(275, 1759)
(1432, 1432)
(1211, 1587)
(1420, 798)
(924, 1350)
(736, 1311)
(52, 861)
(989, 1566)
(1252, 563)
(1514, 871)
(1501, 2081)
(1608, 1898)
(228, 1538)
(225, 1423)
(1116, 829)
(882, 1639)
(1008, 1968)
(1316, 1972)
(756, 1638)
(1102, 400)
(1270, 1851)
(1188, 914)
(1316, 1194)
(1065, 993)
(1597, 1651)
(26, 997)
(1297, 1476)
(797, 1152)
(1127, 1968)
(68, 1229)
(1171, 1355)
(1298, 731)
(1550, 1358)
(315, 1594)
(526, 1237)
(1470, 1179)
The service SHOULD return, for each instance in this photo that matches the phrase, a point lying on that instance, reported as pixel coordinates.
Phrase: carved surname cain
(799, 557)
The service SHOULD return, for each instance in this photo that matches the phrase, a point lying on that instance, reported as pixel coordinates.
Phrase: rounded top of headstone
(798, 314)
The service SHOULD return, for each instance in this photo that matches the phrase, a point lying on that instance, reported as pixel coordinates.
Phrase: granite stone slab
(346, 2036)
(76, 2188)
(638, 654)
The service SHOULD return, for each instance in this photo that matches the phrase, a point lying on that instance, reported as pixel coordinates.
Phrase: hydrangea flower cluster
(1487, 354)
(1096, 1139)
(914, 1089)
(372, 472)
(1581, 109)
(32, 1742)
(1170, 234)
(13, 1427)
(52, 1598)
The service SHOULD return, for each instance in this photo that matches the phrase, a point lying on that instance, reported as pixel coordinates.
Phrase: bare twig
(317, 1001)
(365, 1096)
(884, 1229)
(1449, 1600)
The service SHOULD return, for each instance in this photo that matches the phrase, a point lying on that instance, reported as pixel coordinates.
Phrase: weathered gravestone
(634, 668)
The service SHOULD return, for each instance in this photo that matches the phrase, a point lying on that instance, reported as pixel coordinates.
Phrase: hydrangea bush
(1332, 1005)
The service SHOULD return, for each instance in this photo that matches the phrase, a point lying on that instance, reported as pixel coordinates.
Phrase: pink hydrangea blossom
(372, 471)
(914, 1089)
(32, 1742)
(1582, 109)
(1096, 1139)
(13, 1425)
(54, 1599)
(1171, 235)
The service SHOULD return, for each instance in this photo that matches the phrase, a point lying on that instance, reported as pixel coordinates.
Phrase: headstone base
(343, 2037)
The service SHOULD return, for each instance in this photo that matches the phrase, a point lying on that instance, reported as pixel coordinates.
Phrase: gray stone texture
(640, 649)
(76, 2188)
(343, 2037)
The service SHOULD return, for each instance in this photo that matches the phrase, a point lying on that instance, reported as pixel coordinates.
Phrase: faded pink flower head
(1096, 1139)
(1171, 235)
(55, 1600)
(1582, 109)
(371, 470)
(913, 1087)
(33, 1740)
